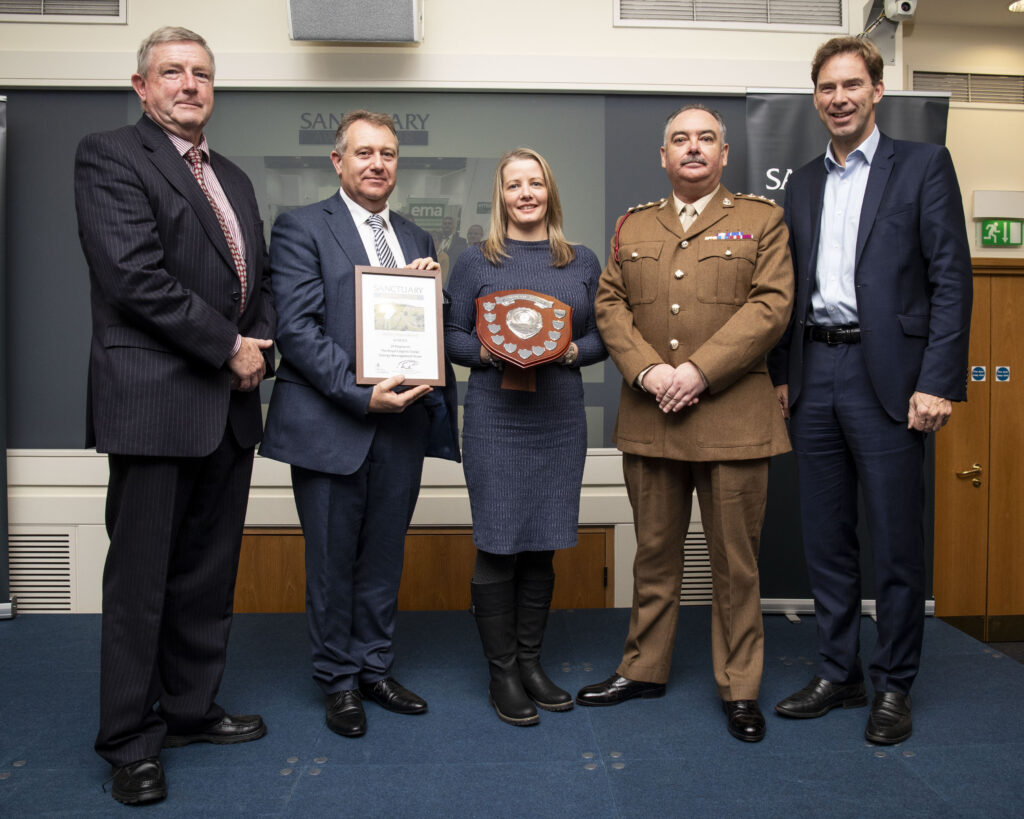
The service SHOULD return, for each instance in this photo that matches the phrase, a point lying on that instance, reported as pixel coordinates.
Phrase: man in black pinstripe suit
(182, 316)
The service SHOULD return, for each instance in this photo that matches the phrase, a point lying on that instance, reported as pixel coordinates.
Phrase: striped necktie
(385, 258)
(195, 163)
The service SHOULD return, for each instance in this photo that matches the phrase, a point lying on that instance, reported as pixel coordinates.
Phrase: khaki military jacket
(720, 295)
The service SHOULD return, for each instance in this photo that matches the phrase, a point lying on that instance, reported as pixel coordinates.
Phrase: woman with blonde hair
(523, 451)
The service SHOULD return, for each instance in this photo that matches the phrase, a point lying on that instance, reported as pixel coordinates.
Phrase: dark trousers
(844, 439)
(354, 527)
(175, 528)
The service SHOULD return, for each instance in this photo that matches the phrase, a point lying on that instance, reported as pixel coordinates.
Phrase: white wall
(569, 44)
(985, 140)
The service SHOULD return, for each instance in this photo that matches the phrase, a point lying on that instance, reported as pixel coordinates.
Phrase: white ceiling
(967, 13)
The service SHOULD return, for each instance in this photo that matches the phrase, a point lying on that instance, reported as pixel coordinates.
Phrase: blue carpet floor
(645, 758)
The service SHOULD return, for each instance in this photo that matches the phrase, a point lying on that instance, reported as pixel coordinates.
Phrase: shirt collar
(699, 205)
(361, 214)
(866, 150)
(183, 146)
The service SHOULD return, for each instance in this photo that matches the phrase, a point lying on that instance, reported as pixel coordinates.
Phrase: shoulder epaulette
(754, 197)
(630, 212)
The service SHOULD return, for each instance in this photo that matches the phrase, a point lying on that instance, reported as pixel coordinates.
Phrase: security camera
(897, 10)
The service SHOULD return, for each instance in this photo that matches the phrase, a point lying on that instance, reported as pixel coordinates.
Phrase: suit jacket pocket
(914, 325)
(122, 336)
(725, 270)
(640, 270)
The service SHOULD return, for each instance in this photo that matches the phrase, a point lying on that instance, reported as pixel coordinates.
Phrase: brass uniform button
(675, 309)
(635, 255)
(673, 345)
(684, 244)
(679, 274)
(728, 253)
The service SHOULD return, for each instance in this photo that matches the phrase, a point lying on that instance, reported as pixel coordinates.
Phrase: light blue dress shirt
(834, 301)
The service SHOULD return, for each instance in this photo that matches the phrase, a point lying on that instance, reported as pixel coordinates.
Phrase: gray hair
(169, 34)
(695, 106)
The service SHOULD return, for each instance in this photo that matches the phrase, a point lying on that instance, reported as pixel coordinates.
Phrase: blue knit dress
(523, 452)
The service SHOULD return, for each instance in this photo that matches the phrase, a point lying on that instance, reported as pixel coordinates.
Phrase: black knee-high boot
(533, 598)
(494, 607)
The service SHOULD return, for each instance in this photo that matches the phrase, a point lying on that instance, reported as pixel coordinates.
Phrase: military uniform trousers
(731, 495)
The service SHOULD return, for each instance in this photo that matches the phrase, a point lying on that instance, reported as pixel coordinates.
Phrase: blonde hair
(493, 247)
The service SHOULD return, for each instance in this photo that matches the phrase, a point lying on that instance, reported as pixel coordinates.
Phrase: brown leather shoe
(889, 721)
(819, 697)
(618, 689)
(139, 782)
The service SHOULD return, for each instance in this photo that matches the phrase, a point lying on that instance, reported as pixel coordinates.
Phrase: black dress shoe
(746, 721)
(138, 783)
(618, 689)
(345, 714)
(229, 730)
(819, 697)
(392, 695)
(889, 721)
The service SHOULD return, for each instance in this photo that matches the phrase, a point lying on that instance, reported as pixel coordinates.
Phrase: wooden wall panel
(438, 569)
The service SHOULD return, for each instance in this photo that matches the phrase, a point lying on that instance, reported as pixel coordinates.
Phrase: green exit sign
(1001, 232)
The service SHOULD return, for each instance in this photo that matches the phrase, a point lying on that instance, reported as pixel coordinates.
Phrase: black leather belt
(844, 334)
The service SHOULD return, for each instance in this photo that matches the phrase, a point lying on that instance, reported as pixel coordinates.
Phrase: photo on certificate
(399, 325)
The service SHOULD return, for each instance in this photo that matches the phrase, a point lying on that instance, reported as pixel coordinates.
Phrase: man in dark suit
(182, 320)
(356, 451)
(876, 353)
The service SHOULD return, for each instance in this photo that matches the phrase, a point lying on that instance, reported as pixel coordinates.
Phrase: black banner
(784, 132)
(6, 607)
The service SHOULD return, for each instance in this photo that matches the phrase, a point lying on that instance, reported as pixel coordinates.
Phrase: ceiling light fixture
(1018, 5)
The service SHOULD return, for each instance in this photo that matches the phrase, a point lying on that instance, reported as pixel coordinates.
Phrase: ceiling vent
(63, 11)
(783, 15)
(1007, 89)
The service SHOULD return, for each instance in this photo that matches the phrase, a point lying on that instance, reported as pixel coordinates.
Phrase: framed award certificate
(399, 325)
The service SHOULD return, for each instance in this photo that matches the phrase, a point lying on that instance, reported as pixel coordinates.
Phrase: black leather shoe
(139, 783)
(746, 721)
(392, 695)
(229, 730)
(618, 689)
(819, 697)
(889, 721)
(345, 714)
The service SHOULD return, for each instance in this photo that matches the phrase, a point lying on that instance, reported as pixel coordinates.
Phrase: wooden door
(438, 568)
(979, 562)
(1006, 447)
(960, 582)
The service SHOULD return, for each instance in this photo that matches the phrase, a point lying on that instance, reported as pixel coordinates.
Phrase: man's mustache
(695, 158)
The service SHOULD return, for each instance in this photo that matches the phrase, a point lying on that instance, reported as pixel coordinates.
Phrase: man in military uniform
(698, 289)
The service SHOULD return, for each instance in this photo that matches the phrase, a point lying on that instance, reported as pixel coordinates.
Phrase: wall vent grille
(696, 588)
(782, 13)
(1001, 88)
(40, 563)
(63, 11)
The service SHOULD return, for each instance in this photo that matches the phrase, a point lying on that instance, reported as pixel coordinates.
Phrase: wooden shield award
(523, 328)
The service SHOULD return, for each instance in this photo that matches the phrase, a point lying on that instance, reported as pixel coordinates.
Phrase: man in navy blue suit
(356, 451)
(875, 355)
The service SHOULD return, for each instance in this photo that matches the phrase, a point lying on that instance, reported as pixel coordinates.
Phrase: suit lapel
(814, 204)
(406, 240)
(344, 230)
(878, 178)
(174, 169)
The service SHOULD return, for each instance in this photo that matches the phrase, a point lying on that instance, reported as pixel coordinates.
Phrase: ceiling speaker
(356, 21)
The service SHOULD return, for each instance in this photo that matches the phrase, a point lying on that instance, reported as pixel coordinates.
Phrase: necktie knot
(689, 215)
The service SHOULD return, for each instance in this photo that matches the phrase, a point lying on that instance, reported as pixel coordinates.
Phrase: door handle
(974, 472)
